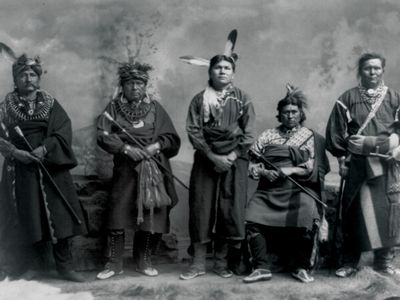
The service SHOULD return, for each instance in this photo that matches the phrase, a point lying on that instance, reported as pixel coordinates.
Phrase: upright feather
(7, 52)
(230, 44)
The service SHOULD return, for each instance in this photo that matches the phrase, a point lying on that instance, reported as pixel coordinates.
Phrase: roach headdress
(136, 70)
(295, 94)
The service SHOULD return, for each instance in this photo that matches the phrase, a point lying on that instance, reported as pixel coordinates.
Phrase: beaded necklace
(371, 95)
(24, 110)
(134, 112)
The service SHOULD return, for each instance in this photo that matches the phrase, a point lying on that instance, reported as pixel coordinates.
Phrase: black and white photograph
(197, 149)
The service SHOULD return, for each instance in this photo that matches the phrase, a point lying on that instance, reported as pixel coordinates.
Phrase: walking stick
(142, 147)
(290, 179)
(71, 210)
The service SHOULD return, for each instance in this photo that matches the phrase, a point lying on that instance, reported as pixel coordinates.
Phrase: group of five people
(289, 161)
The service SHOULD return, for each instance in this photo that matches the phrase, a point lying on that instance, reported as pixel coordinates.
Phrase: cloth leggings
(297, 242)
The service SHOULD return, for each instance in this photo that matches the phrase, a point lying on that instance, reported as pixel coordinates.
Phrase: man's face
(134, 90)
(221, 74)
(371, 73)
(290, 116)
(27, 81)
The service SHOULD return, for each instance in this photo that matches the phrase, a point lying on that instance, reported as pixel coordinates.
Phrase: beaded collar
(371, 95)
(133, 112)
(22, 110)
(288, 133)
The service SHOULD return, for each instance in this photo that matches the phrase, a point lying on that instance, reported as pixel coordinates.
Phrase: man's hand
(287, 171)
(343, 168)
(232, 156)
(355, 144)
(362, 145)
(395, 154)
(24, 156)
(271, 175)
(39, 152)
(256, 170)
(6, 148)
(153, 149)
(134, 153)
(222, 162)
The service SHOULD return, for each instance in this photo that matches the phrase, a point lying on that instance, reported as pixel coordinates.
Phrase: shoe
(192, 272)
(345, 272)
(3, 275)
(223, 272)
(388, 270)
(28, 275)
(148, 271)
(71, 276)
(303, 276)
(107, 273)
(258, 275)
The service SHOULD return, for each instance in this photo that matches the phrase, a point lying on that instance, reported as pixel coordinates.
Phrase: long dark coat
(122, 206)
(366, 205)
(30, 205)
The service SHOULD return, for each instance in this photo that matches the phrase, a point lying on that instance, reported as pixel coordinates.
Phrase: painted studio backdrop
(312, 44)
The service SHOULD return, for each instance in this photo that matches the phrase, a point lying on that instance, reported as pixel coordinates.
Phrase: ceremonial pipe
(72, 211)
(290, 179)
(142, 147)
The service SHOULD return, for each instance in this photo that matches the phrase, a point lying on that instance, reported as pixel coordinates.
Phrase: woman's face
(221, 74)
(371, 73)
(290, 116)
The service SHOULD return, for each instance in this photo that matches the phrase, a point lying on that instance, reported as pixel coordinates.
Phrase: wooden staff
(71, 210)
(142, 147)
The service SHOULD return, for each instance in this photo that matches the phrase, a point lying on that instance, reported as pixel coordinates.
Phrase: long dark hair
(293, 97)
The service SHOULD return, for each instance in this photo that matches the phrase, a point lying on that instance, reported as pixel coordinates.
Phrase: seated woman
(279, 207)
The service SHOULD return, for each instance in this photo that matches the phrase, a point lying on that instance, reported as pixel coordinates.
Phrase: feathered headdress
(22, 62)
(295, 93)
(228, 51)
(135, 70)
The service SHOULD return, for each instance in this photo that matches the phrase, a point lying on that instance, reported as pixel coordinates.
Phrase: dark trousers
(383, 257)
(63, 255)
(20, 257)
(262, 239)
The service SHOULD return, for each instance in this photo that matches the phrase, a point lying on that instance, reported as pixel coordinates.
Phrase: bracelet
(125, 149)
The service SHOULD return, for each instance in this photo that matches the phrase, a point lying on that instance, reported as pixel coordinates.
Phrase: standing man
(362, 132)
(37, 206)
(142, 192)
(220, 125)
